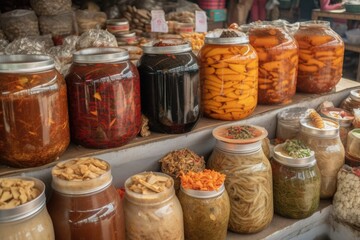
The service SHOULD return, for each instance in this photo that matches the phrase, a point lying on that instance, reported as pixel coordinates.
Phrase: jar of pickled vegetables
(170, 86)
(353, 148)
(229, 75)
(325, 141)
(288, 123)
(238, 155)
(152, 210)
(104, 98)
(296, 180)
(34, 127)
(352, 101)
(278, 62)
(321, 54)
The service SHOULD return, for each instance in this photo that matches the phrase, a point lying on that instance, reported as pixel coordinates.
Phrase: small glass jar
(352, 101)
(34, 128)
(153, 216)
(296, 183)
(288, 123)
(329, 152)
(170, 87)
(206, 213)
(104, 98)
(85, 209)
(353, 148)
(248, 179)
(229, 76)
(28, 221)
(321, 54)
(116, 26)
(126, 38)
(278, 62)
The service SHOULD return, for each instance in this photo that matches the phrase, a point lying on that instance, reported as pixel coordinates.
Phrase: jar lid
(330, 130)
(27, 209)
(214, 37)
(125, 34)
(25, 63)
(343, 117)
(166, 46)
(292, 114)
(282, 157)
(116, 21)
(355, 95)
(101, 55)
(315, 23)
(239, 134)
(243, 148)
(203, 194)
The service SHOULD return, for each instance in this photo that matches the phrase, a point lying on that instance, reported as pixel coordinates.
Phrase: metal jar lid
(283, 158)
(27, 209)
(25, 63)
(125, 34)
(292, 114)
(331, 129)
(213, 37)
(355, 95)
(101, 55)
(179, 47)
(117, 22)
(203, 194)
(239, 148)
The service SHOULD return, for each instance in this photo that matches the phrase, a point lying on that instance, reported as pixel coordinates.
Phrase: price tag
(158, 23)
(200, 21)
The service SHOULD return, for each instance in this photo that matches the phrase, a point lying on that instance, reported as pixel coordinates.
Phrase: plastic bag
(58, 25)
(50, 7)
(45, 39)
(3, 44)
(87, 20)
(2, 35)
(25, 46)
(96, 38)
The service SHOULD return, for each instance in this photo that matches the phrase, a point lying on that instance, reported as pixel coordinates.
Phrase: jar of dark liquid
(170, 90)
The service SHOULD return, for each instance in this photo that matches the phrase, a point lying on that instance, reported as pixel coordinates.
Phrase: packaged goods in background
(58, 25)
(87, 20)
(96, 38)
(50, 7)
(352, 101)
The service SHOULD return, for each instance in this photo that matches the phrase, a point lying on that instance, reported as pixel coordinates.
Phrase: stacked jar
(229, 75)
(104, 98)
(278, 63)
(321, 54)
(352, 101)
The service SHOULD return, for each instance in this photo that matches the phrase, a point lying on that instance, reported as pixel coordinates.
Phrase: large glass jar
(296, 183)
(170, 87)
(34, 127)
(329, 152)
(288, 123)
(278, 62)
(352, 101)
(206, 213)
(152, 215)
(104, 98)
(229, 75)
(27, 221)
(84, 203)
(248, 177)
(321, 54)
(353, 148)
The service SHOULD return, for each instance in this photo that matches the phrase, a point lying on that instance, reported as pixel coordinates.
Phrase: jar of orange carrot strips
(229, 75)
(321, 54)
(278, 62)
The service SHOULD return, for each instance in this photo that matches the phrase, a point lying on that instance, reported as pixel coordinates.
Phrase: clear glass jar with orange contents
(321, 54)
(229, 75)
(278, 62)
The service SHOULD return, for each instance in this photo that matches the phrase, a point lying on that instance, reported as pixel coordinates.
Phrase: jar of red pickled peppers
(34, 128)
(104, 98)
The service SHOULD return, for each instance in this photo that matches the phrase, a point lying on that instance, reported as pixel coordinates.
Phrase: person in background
(338, 25)
(238, 11)
(258, 11)
(330, 4)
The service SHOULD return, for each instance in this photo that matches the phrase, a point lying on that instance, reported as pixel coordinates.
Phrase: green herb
(240, 132)
(296, 149)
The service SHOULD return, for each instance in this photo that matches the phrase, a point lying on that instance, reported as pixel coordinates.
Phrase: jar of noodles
(34, 127)
(321, 54)
(352, 101)
(84, 203)
(229, 75)
(205, 205)
(238, 155)
(278, 62)
(170, 87)
(288, 123)
(23, 213)
(296, 180)
(152, 210)
(104, 98)
(325, 141)
(352, 148)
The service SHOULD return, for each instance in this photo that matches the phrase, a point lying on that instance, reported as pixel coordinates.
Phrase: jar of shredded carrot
(278, 62)
(229, 75)
(321, 54)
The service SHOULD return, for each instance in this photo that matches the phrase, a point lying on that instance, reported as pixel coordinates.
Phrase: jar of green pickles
(296, 180)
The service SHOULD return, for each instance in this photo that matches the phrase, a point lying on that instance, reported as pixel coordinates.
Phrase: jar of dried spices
(104, 98)
(34, 127)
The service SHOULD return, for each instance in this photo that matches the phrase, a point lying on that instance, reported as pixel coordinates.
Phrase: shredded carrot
(208, 180)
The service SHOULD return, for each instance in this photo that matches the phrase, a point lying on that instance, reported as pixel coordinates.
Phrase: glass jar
(116, 26)
(248, 179)
(278, 62)
(329, 152)
(153, 216)
(170, 87)
(206, 213)
(288, 123)
(353, 148)
(296, 183)
(126, 38)
(321, 54)
(352, 101)
(229, 76)
(34, 128)
(27, 221)
(104, 98)
(82, 207)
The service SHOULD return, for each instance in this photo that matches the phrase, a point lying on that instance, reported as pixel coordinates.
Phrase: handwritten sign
(200, 21)
(158, 23)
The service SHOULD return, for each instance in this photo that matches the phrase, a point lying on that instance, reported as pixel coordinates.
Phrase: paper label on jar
(158, 22)
(200, 21)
